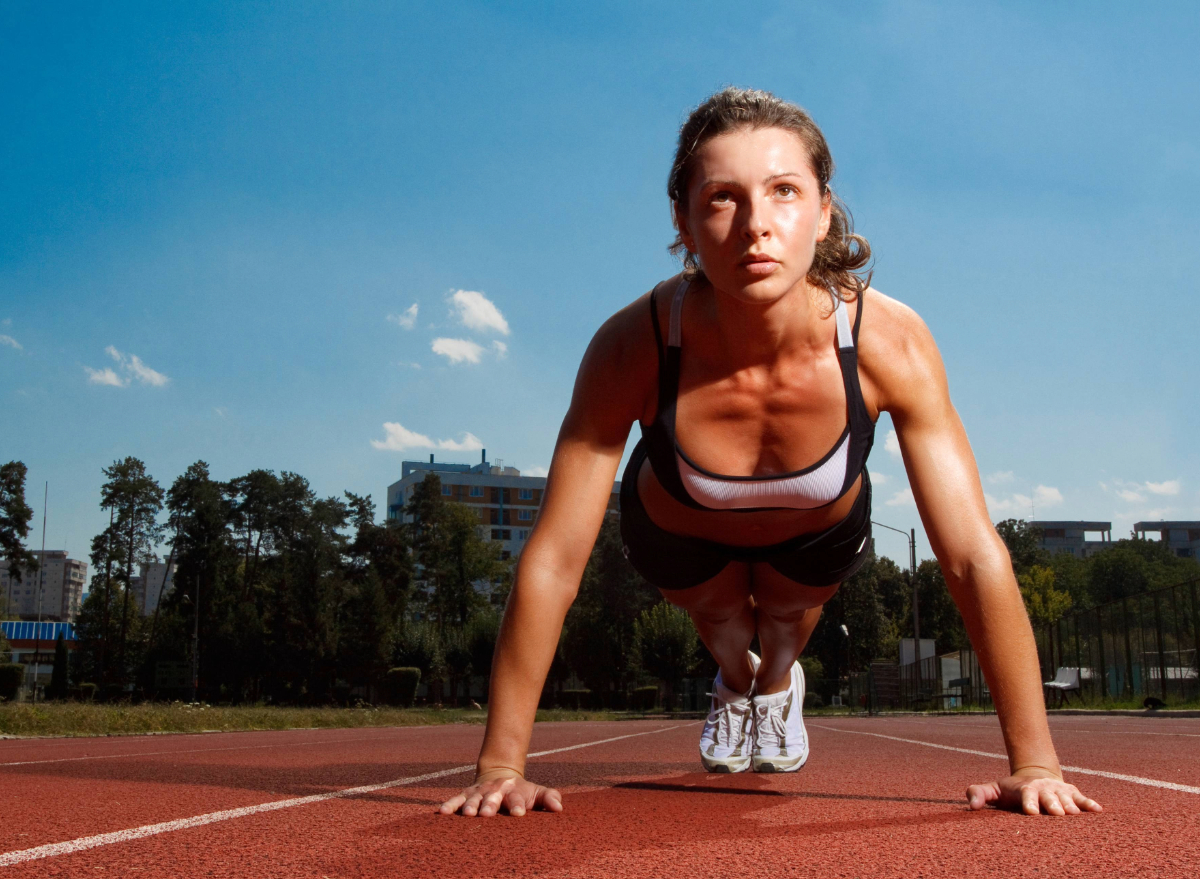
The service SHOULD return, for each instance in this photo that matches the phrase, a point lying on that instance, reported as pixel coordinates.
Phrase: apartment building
(1072, 537)
(58, 582)
(1182, 538)
(154, 581)
(506, 502)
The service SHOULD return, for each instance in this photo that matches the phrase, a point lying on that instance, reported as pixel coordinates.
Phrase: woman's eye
(721, 197)
(786, 190)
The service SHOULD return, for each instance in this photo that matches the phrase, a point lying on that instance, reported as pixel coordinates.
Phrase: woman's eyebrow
(782, 174)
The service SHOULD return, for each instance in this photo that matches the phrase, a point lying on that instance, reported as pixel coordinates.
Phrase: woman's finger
(471, 806)
(491, 804)
(1050, 803)
(979, 795)
(1067, 800)
(515, 801)
(453, 804)
(1029, 800)
(1087, 804)
(551, 800)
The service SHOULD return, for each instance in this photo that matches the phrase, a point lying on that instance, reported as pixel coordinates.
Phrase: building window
(522, 535)
(525, 515)
(446, 489)
(495, 534)
(525, 494)
(505, 555)
(476, 491)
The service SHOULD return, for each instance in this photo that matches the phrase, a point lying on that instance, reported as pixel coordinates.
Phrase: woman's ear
(826, 215)
(679, 215)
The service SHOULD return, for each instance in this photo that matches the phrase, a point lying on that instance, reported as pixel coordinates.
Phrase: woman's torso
(775, 416)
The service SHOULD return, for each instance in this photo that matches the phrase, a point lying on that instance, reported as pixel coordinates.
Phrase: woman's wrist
(1034, 770)
(492, 771)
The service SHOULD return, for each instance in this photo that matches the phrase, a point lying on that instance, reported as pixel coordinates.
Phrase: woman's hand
(1033, 791)
(502, 788)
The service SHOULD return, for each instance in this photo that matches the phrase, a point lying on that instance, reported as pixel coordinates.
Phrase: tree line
(299, 599)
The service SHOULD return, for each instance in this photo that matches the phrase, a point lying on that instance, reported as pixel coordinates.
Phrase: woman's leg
(723, 613)
(785, 614)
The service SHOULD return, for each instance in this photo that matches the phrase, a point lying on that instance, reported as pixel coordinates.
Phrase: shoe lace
(729, 721)
(770, 728)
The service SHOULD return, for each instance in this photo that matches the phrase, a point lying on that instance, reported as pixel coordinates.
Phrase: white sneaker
(727, 736)
(780, 740)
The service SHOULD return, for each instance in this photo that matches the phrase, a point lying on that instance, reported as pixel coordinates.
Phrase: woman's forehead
(752, 154)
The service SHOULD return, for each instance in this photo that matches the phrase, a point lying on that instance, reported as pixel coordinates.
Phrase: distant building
(154, 581)
(1072, 537)
(1182, 538)
(507, 502)
(58, 578)
(33, 646)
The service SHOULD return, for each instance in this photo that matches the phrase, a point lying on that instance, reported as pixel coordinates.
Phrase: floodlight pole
(911, 537)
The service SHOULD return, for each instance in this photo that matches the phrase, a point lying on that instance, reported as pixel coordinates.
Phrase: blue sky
(208, 213)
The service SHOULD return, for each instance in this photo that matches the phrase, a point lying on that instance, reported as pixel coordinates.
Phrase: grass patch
(86, 719)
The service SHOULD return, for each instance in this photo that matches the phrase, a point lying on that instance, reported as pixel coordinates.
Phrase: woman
(757, 376)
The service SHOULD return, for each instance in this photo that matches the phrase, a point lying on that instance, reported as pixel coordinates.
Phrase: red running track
(879, 797)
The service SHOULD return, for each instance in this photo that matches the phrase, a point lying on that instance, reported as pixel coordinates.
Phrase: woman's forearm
(525, 649)
(999, 629)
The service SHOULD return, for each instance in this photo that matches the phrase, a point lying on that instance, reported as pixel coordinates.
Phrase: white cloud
(1131, 496)
(221, 410)
(105, 377)
(999, 477)
(7, 322)
(131, 366)
(535, 471)
(902, 498)
(145, 374)
(398, 438)
(457, 350)
(500, 348)
(1022, 505)
(408, 365)
(11, 342)
(478, 312)
(880, 479)
(407, 320)
(892, 444)
(1170, 487)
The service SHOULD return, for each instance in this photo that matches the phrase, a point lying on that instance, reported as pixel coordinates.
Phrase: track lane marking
(1117, 776)
(200, 750)
(56, 849)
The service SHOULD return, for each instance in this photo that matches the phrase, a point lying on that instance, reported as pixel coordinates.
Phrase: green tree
(597, 639)
(665, 644)
(15, 515)
(481, 635)
(136, 499)
(1024, 542)
(1044, 604)
(939, 614)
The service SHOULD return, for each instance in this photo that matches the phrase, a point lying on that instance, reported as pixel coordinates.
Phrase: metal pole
(1128, 647)
(1100, 645)
(1162, 659)
(196, 645)
(37, 644)
(911, 536)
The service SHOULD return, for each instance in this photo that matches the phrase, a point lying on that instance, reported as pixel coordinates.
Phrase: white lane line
(199, 750)
(1135, 779)
(55, 849)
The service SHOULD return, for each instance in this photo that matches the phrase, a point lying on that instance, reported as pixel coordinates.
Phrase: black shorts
(673, 561)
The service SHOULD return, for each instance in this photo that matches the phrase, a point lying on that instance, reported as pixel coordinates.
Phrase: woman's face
(755, 212)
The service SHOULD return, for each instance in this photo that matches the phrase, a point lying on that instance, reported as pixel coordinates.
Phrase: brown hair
(839, 259)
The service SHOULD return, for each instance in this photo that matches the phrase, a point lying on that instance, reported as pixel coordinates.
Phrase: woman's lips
(759, 265)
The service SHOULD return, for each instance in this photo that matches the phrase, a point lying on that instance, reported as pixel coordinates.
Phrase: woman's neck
(751, 333)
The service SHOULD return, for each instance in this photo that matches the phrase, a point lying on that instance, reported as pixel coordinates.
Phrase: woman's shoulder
(896, 349)
(630, 332)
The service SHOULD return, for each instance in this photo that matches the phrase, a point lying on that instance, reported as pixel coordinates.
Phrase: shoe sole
(774, 764)
(725, 768)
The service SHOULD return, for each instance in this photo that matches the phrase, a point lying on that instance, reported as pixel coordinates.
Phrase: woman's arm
(911, 384)
(605, 402)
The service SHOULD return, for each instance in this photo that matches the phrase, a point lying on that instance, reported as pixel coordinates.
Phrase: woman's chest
(760, 421)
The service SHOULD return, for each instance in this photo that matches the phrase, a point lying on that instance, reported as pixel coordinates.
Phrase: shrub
(813, 700)
(401, 684)
(11, 674)
(644, 698)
